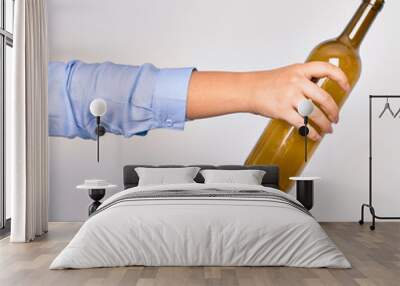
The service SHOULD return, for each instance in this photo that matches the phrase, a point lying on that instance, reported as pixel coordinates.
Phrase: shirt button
(168, 122)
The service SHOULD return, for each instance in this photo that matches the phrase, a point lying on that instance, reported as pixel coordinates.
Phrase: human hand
(275, 93)
(278, 92)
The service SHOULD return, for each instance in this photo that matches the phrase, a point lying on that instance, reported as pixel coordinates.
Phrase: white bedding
(200, 231)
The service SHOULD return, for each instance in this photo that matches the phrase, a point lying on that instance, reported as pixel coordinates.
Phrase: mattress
(201, 225)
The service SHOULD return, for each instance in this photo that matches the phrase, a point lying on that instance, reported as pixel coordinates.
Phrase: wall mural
(140, 98)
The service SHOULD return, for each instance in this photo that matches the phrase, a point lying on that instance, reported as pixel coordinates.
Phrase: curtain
(27, 123)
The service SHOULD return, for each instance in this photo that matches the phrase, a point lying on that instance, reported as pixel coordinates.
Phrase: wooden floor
(375, 257)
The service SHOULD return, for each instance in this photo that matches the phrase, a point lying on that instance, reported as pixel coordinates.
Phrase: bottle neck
(362, 20)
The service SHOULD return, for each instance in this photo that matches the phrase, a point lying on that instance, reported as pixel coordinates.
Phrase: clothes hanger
(397, 113)
(387, 107)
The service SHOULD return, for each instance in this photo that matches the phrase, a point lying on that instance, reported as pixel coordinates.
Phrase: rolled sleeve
(170, 96)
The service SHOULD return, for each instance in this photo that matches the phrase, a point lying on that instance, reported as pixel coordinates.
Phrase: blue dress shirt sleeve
(169, 97)
(139, 98)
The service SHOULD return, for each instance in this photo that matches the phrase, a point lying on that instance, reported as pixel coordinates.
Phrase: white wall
(227, 35)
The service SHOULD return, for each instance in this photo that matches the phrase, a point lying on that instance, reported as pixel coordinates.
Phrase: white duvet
(200, 231)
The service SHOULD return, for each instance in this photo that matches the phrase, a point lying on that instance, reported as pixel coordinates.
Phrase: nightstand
(97, 190)
(305, 190)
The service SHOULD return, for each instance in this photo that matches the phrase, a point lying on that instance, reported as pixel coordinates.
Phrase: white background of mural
(226, 35)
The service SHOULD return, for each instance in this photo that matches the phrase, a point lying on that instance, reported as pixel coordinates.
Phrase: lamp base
(303, 131)
(100, 130)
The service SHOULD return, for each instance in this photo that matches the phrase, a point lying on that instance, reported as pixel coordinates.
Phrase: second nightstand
(97, 190)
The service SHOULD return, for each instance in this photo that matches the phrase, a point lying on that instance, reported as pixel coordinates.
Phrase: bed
(198, 224)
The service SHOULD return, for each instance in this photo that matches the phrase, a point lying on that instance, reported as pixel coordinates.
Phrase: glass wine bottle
(280, 144)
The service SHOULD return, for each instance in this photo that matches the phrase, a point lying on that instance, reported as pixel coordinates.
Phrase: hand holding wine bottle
(331, 71)
(280, 144)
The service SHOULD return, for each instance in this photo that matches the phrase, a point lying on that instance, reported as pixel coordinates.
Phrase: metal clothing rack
(370, 204)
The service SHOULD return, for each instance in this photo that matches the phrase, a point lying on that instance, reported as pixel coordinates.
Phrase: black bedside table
(305, 190)
(96, 193)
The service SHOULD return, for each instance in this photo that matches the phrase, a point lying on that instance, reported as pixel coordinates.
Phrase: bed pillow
(248, 177)
(166, 176)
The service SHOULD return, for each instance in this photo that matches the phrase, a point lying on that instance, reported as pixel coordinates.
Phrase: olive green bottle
(280, 144)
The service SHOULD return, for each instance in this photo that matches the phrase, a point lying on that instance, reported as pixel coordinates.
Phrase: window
(6, 44)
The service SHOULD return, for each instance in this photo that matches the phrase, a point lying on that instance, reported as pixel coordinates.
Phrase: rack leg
(361, 221)
(372, 210)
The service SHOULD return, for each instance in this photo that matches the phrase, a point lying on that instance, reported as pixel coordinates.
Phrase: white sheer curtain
(26, 123)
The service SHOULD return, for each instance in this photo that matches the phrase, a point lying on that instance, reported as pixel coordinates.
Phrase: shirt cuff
(170, 96)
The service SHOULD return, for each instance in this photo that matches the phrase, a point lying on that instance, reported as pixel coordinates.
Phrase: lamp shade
(305, 107)
(98, 107)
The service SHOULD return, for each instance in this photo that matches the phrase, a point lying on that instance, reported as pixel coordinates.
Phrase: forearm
(218, 93)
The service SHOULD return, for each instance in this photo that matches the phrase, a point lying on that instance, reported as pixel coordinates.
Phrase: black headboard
(270, 179)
